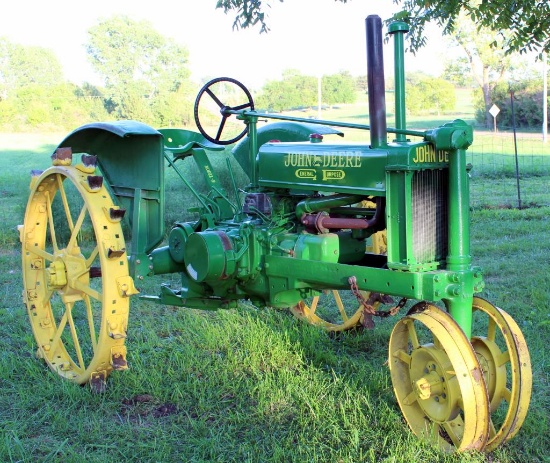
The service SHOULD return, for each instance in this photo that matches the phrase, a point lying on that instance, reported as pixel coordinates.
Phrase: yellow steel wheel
(504, 359)
(75, 273)
(328, 311)
(438, 381)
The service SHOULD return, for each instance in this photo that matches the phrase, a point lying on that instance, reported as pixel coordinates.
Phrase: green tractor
(317, 220)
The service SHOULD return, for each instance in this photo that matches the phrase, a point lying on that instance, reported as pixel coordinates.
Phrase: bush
(527, 105)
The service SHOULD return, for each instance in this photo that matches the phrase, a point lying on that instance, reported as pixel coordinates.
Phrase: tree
(528, 97)
(137, 64)
(26, 65)
(338, 88)
(488, 63)
(296, 90)
(293, 91)
(361, 83)
(457, 70)
(34, 92)
(528, 20)
(426, 94)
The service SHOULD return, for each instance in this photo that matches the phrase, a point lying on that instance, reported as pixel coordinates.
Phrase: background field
(255, 384)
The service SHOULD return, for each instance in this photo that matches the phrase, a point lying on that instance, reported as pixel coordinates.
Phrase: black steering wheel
(223, 108)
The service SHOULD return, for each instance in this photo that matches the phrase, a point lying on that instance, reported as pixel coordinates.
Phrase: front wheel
(504, 358)
(438, 381)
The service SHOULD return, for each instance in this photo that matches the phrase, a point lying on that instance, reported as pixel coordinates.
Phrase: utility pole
(319, 98)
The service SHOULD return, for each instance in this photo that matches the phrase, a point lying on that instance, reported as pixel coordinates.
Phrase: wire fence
(502, 179)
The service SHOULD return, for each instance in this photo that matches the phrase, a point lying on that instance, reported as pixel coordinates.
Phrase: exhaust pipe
(375, 82)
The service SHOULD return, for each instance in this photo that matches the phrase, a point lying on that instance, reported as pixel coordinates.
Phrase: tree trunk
(486, 88)
(489, 121)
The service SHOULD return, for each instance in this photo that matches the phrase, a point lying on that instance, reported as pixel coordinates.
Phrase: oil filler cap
(206, 255)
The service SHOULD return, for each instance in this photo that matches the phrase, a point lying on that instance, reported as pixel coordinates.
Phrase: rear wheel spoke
(76, 229)
(65, 202)
(74, 335)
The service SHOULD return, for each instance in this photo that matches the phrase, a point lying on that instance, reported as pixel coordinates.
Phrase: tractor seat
(181, 142)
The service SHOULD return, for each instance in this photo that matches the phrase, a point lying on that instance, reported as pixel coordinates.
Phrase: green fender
(282, 131)
(130, 157)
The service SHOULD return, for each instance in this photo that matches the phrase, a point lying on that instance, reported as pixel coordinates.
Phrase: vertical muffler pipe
(375, 82)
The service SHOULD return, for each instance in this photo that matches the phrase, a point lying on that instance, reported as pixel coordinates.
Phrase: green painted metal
(130, 157)
(343, 168)
(316, 204)
(183, 143)
(398, 29)
(264, 246)
(291, 129)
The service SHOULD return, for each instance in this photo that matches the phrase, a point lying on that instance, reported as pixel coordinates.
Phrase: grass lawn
(251, 384)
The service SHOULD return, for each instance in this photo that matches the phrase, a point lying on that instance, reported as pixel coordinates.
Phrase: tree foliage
(338, 88)
(524, 24)
(296, 90)
(292, 91)
(488, 64)
(34, 92)
(62, 105)
(528, 20)
(146, 78)
(26, 65)
(426, 94)
(527, 105)
(457, 70)
(138, 65)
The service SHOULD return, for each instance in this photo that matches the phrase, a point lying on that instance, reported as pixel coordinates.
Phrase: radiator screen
(429, 215)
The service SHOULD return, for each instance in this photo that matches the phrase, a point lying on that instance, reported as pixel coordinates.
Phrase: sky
(314, 36)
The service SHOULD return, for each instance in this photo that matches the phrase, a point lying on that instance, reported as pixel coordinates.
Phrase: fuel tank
(344, 168)
(353, 168)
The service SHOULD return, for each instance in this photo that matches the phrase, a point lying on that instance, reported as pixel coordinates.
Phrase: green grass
(253, 384)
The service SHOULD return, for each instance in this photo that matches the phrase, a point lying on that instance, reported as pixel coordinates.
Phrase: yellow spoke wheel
(504, 358)
(438, 380)
(75, 273)
(328, 311)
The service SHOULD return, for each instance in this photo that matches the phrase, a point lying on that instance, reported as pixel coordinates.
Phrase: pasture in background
(254, 384)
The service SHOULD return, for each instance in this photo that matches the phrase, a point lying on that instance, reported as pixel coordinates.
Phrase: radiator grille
(429, 215)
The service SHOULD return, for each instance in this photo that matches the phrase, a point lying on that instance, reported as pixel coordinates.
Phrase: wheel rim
(506, 366)
(438, 381)
(329, 311)
(75, 272)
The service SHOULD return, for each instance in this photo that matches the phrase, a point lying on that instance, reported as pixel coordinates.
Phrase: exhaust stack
(375, 82)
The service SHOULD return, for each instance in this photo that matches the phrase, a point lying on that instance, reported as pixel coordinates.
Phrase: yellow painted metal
(438, 381)
(504, 358)
(73, 256)
(332, 315)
